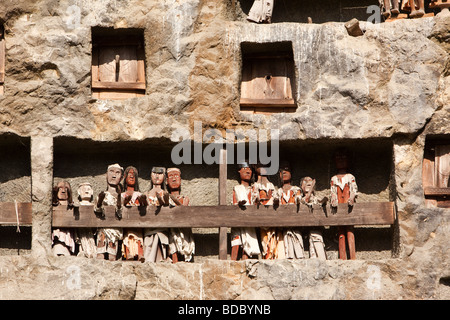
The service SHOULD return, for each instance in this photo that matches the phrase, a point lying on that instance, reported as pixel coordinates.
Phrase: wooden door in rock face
(442, 165)
(435, 174)
(118, 72)
(267, 83)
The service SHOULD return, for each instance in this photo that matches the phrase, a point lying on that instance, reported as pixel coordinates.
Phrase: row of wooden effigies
(278, 243)
(416, 8)
(262, 10)
(150, 244)
(156, 244)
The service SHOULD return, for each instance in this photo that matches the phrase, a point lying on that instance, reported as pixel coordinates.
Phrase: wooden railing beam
(370, 213)
(8, 215)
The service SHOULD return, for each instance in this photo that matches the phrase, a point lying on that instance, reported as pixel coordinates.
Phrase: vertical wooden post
(41, 194)
(223, 245)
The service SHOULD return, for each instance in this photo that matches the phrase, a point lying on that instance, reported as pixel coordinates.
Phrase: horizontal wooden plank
(245, 102)
(118, 85)
(8, 213)
(372, 213)
(431, 191)
(443, 203)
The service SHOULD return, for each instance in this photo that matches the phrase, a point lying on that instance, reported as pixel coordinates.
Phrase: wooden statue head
(245, 172)
(173, 179)
(131, 178)
(62, 193)
(158, 177)
(307, 185)
(85, 192)
(114, 174)
(285, 172)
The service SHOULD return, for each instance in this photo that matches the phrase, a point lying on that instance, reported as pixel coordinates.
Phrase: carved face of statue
(245, 173)
(113, 176)
(157, 178)
(307, 184)
(85, 191)
(285, 175)
(131, 178)
(63, 191)
(174, 179)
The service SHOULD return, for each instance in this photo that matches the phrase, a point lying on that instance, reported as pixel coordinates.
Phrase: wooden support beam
(118, 85)
(436, 192)
(367, 213)
(223, 243)
(279, 103)
(437, 197)
(8, 213)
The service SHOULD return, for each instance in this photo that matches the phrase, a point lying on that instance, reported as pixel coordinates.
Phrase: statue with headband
(158, 195)
(264, 190)
(108, 238)
(181, 240)
(244, 241)
(85, 194)
(291, 241)
(85, 236)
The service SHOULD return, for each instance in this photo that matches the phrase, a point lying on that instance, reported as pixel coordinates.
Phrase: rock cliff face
(193, 72)
(386, 91)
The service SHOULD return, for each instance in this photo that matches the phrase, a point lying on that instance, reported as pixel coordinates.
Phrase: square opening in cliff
(118, 63)
(435, 172)
(268, 77)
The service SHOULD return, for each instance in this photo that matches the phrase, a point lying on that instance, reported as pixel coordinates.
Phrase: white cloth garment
(155, 239)
(293, 244)
(246, 237)
(336, 182)
(261, 11)
(85, 237)
(257, 187)
(287, 196)
(316, 245)
(181, 240)
(63, 241)
(111, 234)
